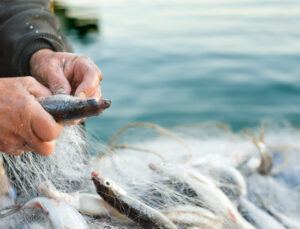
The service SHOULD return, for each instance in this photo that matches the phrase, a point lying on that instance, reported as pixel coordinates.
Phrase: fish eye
(107, 183)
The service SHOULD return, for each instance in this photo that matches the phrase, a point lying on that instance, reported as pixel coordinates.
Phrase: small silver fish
(257, 216)
(60, 214)
(135, 210)
(287, 222)
(65, 108)
(208, 195)
(86, 203)
(191, 216)
(226, 177)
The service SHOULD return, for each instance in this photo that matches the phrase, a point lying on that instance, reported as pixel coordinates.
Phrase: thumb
(58, 83)
(34, 87)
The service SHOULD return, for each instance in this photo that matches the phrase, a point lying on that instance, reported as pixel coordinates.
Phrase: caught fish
(227, 178)
(60, 214)
(190, 216)
(66, 108)
(137, 211)
(287, 222)
(208, 195)
(257, 216)
(86, 203)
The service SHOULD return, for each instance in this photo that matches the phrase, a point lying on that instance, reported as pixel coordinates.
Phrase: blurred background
(183, 62)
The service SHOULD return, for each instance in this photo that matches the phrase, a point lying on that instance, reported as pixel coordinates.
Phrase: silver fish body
(137, 211)
(61, 215)
(66, 108)
(257, 216)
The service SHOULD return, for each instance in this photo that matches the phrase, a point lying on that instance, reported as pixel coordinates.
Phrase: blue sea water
(191, 61)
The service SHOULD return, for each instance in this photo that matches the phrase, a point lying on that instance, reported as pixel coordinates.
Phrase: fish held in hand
(65, 108)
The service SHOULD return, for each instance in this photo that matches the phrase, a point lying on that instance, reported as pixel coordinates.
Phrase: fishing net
(65, 168)
(200, 176)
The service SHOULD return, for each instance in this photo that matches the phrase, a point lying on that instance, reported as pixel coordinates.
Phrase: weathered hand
(66, 73)
(24, 124)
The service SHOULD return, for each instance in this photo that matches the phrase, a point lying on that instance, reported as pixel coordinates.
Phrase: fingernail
(81, 95)
(60, 91)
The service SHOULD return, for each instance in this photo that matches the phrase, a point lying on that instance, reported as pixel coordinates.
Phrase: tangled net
(193, 175)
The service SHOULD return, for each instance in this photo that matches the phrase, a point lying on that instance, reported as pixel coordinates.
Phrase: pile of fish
(138, 187)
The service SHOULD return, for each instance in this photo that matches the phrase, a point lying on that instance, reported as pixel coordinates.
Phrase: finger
(43, 148)
(89, 84)
(42, 124)
(98, 93)
(35, 88)
(57, 81)
(75, 122)
(82, 120)
(16, 145)
(92, 93)
(72, 123)
(13, 144)
(15, 153)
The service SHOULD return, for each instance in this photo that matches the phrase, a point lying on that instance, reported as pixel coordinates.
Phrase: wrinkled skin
(67, 73)
(24, 124)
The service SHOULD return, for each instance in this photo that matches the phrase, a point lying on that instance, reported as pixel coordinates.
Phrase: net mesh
(199, 176)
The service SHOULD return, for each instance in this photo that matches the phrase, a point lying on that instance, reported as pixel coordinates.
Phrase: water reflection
(76, 20)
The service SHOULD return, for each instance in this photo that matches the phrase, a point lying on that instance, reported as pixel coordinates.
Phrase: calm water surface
(183, 62)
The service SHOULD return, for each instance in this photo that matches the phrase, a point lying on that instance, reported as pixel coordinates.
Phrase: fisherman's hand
(25, 125)
(66, 73)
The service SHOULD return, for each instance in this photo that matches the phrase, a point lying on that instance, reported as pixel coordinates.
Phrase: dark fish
(135, 210)
(66, 108)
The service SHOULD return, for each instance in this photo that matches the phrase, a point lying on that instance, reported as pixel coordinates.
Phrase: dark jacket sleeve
(25, 27)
